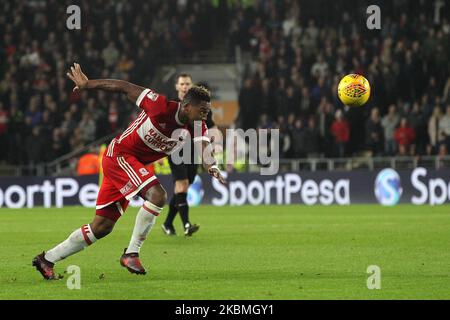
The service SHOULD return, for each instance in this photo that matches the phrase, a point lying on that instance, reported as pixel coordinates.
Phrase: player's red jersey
(155, 133)
(151, 136)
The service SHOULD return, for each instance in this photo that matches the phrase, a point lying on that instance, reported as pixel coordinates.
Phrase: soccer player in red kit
(149, 138)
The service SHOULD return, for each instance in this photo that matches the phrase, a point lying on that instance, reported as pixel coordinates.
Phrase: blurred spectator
(341, 133)
(267, 99)
(76, 139)
(433, 128)
(319, 68)
(305, 104)
(374, 133)
(47, 125)
(298, 142)
(326, 119)
(33, 112)
(404, 137)
(311, 139)
(389, 124)
(35, 146)
(59, 144)
(417, 122)
(125, 66)
(113, 116)
(446, 96)
(285, 138)
(444, 128)
(264, 122)
(68, 125)
(88, 164)
(248, 107)
(3, 130)
(110, 55)
(87, 124)
(16, 123)
(443, 150)
(292, 99)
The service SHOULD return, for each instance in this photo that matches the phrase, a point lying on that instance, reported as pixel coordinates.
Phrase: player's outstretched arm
(82, 82)
(208, 160)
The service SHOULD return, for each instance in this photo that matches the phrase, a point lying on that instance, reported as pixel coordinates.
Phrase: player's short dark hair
(182, 75)
(196, 95)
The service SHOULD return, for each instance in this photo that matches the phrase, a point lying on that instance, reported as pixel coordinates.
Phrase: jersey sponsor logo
(154, 139)
(157, 141)
(126, 188)
(152, 96)
(143, 172)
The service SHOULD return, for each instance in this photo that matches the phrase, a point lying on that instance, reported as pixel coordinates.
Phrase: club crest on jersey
(143, 172)
(152, 96)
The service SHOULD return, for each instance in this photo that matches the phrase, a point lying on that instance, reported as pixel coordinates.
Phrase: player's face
(182, 86)
(200, 112)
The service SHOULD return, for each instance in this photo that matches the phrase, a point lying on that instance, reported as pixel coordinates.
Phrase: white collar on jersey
(176, 115)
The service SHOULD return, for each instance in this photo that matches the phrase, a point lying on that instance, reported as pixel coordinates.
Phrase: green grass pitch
(266, 252)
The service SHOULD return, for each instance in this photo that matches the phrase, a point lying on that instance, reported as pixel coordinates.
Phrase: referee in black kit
(183, 174)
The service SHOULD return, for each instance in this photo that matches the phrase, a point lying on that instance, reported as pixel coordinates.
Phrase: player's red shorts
(123, 178)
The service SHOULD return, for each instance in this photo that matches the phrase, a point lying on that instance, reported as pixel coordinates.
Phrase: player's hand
(215, 172)
(211, 141)
(77, 76)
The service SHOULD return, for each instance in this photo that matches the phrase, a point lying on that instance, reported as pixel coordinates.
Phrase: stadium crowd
(37, 109)
(299, 52)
